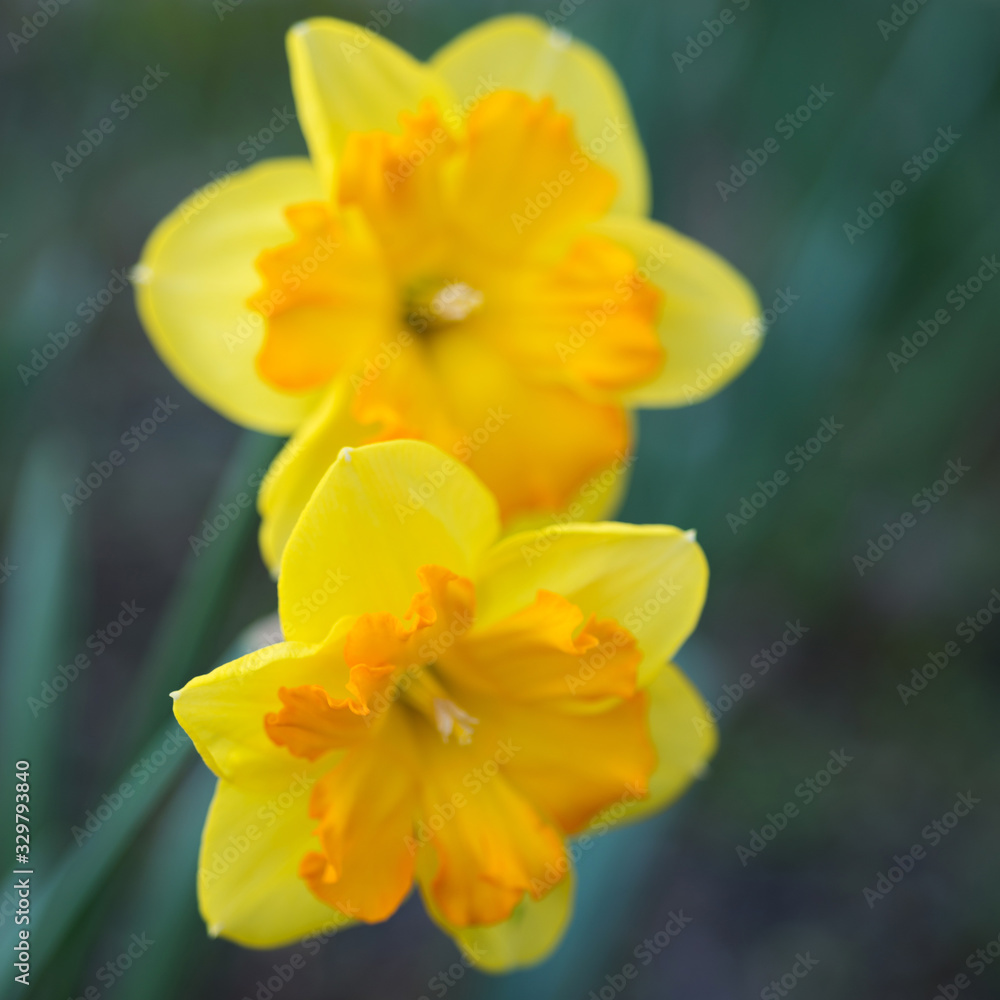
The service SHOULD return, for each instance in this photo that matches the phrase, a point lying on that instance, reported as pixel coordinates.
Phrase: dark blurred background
(841, 630)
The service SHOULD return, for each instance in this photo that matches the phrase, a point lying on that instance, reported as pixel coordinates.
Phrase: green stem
(185, 643)
(187, 637)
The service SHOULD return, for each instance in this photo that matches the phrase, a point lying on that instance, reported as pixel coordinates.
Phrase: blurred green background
(848, 301)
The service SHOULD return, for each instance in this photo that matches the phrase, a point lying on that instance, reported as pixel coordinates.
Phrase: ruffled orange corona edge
(464, 258)
(447, 708)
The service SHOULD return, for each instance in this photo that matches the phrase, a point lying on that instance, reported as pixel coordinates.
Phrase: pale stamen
(450, 718)
(425, 692)
(455, 301)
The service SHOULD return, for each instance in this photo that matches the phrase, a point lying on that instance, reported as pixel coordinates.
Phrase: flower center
(431, 304)
(425, 693)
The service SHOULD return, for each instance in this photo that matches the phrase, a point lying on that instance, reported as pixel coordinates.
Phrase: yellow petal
(402, 183)
(651, 579)
(529, 656)
(533, 443)
(365, 807)
(310, 723)
(195, 277)
(223, 711)
(710, 325)
(522, 53)
(585, 320)
(521, 153)
(348, 79)
(326, 297)
(598, 499)
(249, 889)
(684, 736)
(299, 467)
(569, 760)
(493, 849)
(529, 935)
(601, 496)
(381, 512)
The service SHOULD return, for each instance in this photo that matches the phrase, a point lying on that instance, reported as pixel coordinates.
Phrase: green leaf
(182, 647)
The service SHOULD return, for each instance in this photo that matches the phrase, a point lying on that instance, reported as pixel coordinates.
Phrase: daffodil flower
(465, 258)
(445, 710)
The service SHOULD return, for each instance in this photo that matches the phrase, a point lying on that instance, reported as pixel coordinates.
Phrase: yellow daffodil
(445, 710)
(465, 258)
